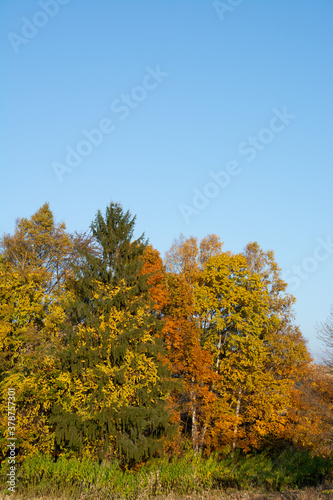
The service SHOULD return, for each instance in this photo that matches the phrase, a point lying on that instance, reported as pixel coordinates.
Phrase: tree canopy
(117, 354)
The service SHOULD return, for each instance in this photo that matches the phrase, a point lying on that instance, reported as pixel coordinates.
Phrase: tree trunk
(236, 421)
(203, 434)
(195, 437)
(218, 355)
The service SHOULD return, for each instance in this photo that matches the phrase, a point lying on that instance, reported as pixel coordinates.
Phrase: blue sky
(180, 91)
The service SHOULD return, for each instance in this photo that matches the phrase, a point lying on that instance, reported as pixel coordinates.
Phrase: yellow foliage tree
(241, 330)
(34, 272)
(29, 341)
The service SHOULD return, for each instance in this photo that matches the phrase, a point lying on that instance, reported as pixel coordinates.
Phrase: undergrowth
(74, 479)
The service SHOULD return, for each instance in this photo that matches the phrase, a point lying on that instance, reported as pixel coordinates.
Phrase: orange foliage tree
(230, 336)
(172, 293)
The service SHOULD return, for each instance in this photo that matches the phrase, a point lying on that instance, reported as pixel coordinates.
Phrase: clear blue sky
(181, 88)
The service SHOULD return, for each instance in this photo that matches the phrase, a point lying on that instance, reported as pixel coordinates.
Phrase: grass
(255, 476)
(306, 494)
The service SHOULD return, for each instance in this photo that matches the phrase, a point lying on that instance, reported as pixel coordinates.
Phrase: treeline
(115, 354)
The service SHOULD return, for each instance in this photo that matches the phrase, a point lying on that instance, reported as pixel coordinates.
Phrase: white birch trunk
(236, 421)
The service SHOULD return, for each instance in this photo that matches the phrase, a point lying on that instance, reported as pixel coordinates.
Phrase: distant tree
(310, 423)
(187, 258)
(325, 334)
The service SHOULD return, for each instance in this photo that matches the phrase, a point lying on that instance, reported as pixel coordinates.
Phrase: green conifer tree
(116, 384)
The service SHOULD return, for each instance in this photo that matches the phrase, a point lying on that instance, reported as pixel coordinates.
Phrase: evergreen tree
(116, 383)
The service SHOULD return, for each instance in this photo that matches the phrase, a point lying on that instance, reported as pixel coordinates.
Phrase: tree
(311, 422)
(40, 244)
(191, 362)
(255, 350)
(325, 334)
(186, 258)
(289, 357)
(34, 267)
(232, 307)
(116, 382)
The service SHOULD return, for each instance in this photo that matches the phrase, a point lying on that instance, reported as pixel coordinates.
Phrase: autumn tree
(191, 362)
(310, 419)
(289, 359)
(325, 334)
(232, 308)
(280, 302)
(187, 258)
(156, 279)
(246, 327)
(40, 244)
(310, 422)
(33, 270)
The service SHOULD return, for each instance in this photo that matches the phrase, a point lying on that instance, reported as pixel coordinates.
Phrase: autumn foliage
(115, 353)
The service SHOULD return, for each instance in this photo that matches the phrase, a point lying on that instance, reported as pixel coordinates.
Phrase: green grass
(74, 479)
